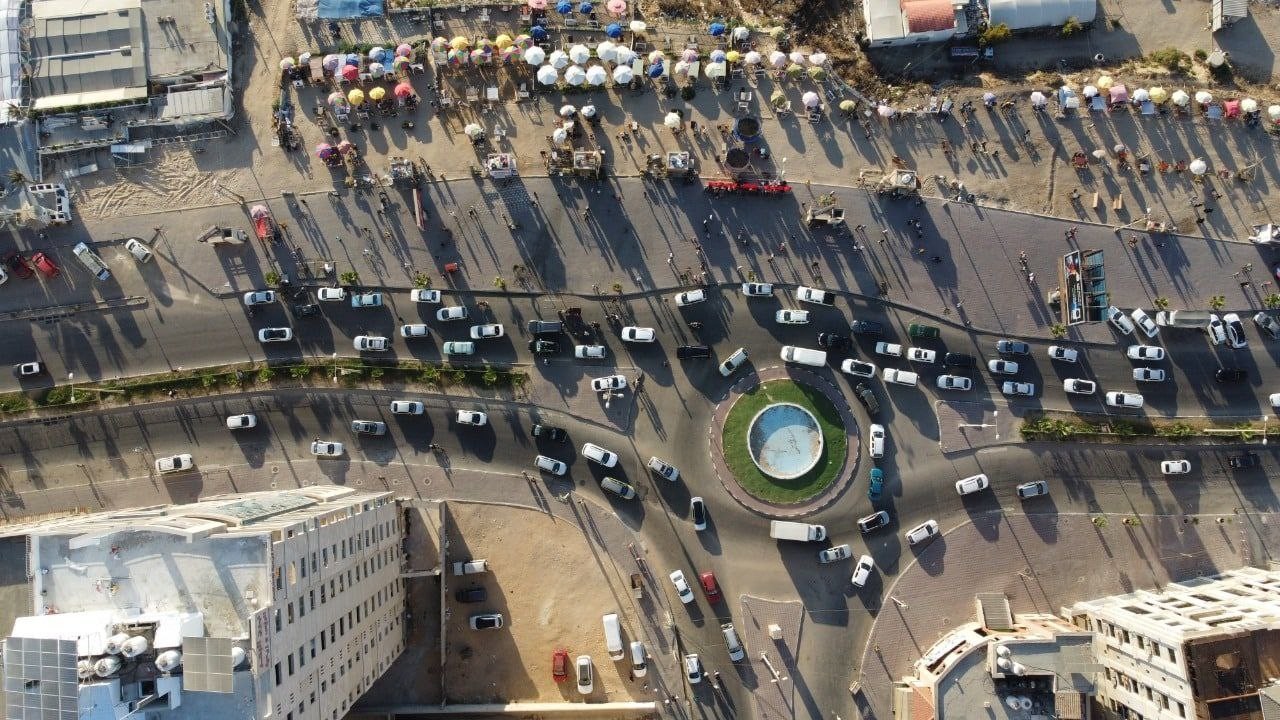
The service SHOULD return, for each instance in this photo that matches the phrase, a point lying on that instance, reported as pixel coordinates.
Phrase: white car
(423, 295)
(609, 382)
(415, 330)
(792, 317)
(1275, 401)
(370, 299)
(631, 333)
(174, 463)
(270, 335)
(1146, 374)
(922, 533)
(875, 448)
(757, 289)
(584, 674)
(619, 488)
(1145, 352)
(259, 297)
(242, 422)
(1035, 488)
(900, 377)
(858, 368)
(916, 354)
(862, 571)
(815, 296)
(888, 349)
(472, 417)
(599, 455)
(698, 511)
(1235, 331)
(589, 352)
(1267, 324)
(693, 668)
(550, 465)
(407, 407)
(458, 347)
(138, 250)
(325, 448)
(690, 297)
(1124, 400)
(371, 343)
(1216, 330)
(663, 468)
(1119, 320)
(972, 484)
(1145, 322)
(1022, 389)
(835, 554)
(1002, 367)
(452, 312)
(1064, 354)
(1076, 386)
(954, 382)
(1175, 467)
(331, 294)
(683, 591)
(733, 362)
(488, 331)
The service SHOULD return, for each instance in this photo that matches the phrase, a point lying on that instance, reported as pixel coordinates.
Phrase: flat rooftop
(1064, 663)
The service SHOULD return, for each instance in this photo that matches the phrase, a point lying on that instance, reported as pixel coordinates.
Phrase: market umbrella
(350, 72)
(535, 55)
(818, 59)
(1198, 167)
(810, 99)
(689, 55)
(1273, 112)
(638, 26)
(1105, 82)
(575, 75)
(588, 110)
(1180, 98)
(503, 41)
(439, 44)
(336, 98)
(377, 54)
(400, 62)
(558, 59)
(741, 33)
(403, 90)
(286, 63)
(1249, 105)
(585, 8)
(352, 59)
(547, 75)
(524, 42)
(796, 57)
(480, 56)
(324, 150)
(538, 32)
(459, 42)
(1099, 153)
(716, 70)
(579, 54)
(564, 7)
(538, 4)
(794, 70)
(886, 111)
(614, 31)
(1204, 97)
(1141, 95)
(988, 97)
(404, 50)
(474, 131)
(568, 111)
(733, 56)
(509, 53)
(848, 105)
(656, 56)
(623, 74)
(672, 120)
(607, 51)
(778, 99)
(717, 29)
(345, 147)
(1038, 99)
(778, 59)
(1158, 94)
(625, 55)
(681, 68)
(597, 75)
(616, 7)
(751, 58)
(377, 93)
(717, 56)
(331, 62)
(459, 57)
(559, 135)
(377, 69)
(655, 71)
(817, 73)
(1090, 91)
(304, 58)
(1119, 148)
(356, 96)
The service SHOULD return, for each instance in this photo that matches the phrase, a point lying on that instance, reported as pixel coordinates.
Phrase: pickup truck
(802, 532)
(815, 296)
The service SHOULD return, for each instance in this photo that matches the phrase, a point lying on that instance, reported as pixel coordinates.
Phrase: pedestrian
(995, 154)
(1031, 278)
(1026, 135)
(705, 224)
(771, 257)
(1208, 210)
(884, 239)
(860, 228)
(937, 259)
(984, 145)
(671, 257)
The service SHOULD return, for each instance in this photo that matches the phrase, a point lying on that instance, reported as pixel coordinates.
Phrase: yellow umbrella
(377, 93)
(733, 56)
(1105, 82)
(459, 43)
(1158, 94)
(503, 41)
(356, 96)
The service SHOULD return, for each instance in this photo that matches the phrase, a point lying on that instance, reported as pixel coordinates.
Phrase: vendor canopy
(1023, 14)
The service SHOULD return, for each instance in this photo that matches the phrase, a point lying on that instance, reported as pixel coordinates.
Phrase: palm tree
(1217, 302)
(17, 178)
(1162, 302)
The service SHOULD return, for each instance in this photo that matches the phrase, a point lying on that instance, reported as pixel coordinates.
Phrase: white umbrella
(1038, 99)
(751, 58)
(656, 56)
(559, 60)
(597, 75)
(1198, 167)
(1141, 95)
(623, 74)
(988, 97)
(638, 26)
(1249, 105)
(304, 58)
(1090, 91)
(607, 51)
(473, 131)
(547, 75)
(1119, 148)
(741, 33)
(1180, 98)
(575, 75)
(568, 111)
(579, 54)
(535, 55)
(797, 57)
(1273, 112)
(1203, 97)
(682, 68)
(559, 135)
(588, 111)
(1099, 154)
(810, 99)
(672, 120)
(626, 55)
(819, 59)
(778, 59)
(885, 111)
(716, 70)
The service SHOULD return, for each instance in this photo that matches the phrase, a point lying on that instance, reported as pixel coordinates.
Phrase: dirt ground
(551, 586)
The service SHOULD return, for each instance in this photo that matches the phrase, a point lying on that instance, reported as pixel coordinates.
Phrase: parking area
(551, 585)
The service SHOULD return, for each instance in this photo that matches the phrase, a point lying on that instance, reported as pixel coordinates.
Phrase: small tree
(421, 280)
(1272, 301)
(1162, 302)
(350, 277)
(995, 34)
(273, 278)
(1071, 27)
(490, 376)
(617, 287)
(17, 178)
(1217, 302)
(500, 283)
(1058, 330)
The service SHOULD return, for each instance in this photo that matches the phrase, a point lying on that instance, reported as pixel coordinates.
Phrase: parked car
(452, 312)
(972, 484)
(371, 343)
(1119, 320)
(259, 297)
(609, 382)
(560, 665)
(424, 295)
(690, 297)
(692, 352)
(757, 289)
(1035, 488)
(1267, 324)
(921, 355)
(244, 421)
(831, 341)
(368, 427)
(305, 310)
(18, 265)
(45, 265)
(683, 591)
(28, 369)
(599, 455)
(1124, 400)
(866, 327)
(920, 331)
(415, 330)
(488, 331)
(325, 448)
(698, 511)
(458, 347)
(954, 382)
(544, 327)
(875, 444)
(835, 554)
(174, 463)
(791, 317)
(1175, 467)
(874, 521)
(473, 594)
(331, 294)
(1230, 375)
(867, 397)
(663, 469)
(888, 349)
(1002, 367)
(815, 296)
(583, 672)
(1076, 386)
(1018, 389)
(875, 484)
(590, 352)
(486, 621)
(549, 432)
(270, 335)
(407, 407)
(1146, 374)
(858, 368)
(368, 299)
(1063, 354)
(710, 587)
(1244, 461)
(1216, 330)
(735, 360)
(959, 360)
(900, 377)
(1012, 347)
(632, 333)
(1235, 331)
(550, 465)
(475, 418)
(693, 668)
(538, 346)
(922, 533)
(1144, 321)
(1154, 353)
(619, 488)
(139, 250)
(862, 571)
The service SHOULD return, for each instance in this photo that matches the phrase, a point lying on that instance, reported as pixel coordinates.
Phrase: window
(279, 579)
(323, 644)
(289, 609)
(322, 595)
(302, 608)
(279, 620)
(313, 648)
(1172, 658)
(324, 556)
(311, 596)
(302, 708)
(302, 657)
(279, 678)
(290, 664)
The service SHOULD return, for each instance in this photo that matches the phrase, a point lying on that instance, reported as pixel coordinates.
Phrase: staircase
(994, 612)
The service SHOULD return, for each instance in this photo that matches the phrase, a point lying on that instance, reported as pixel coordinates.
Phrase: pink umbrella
(689, 55)
(538, 4)
(617, 7)
(350, 72)
(404, 50)
(404, 90)
(345, 147)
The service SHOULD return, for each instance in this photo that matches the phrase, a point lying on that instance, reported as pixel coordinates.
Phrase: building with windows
(284, 604)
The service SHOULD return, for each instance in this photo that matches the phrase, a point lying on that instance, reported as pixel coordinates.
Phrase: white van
(613, 636)
(901, 377)
(804, 356)
(639, 661)
(90, 259)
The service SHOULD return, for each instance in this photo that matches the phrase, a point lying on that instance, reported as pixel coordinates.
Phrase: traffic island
(781, 441)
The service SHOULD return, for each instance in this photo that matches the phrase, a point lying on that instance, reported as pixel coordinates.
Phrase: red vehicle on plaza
(560, 665)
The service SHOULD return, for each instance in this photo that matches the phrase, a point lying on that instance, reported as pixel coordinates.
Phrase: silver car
(835, 554)
(590, 352)
(609, 382)
(922, 533)
(368, 427)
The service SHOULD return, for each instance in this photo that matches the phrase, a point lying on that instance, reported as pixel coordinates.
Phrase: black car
(305, 309)
(471, 595)
(958, 360)
(1247, 460)
(868, 398)
(831, 341)
(1229, 375)
(692, 352)
(866, 327)
(544, 347)
(549, 432)
(18, 264)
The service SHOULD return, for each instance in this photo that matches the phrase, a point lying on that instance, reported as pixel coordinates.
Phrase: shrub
(273, 278)
(490, 376)
(687, 92)
(1271, 301)
(376, 372)
(1217, 302)
(208, 380)
(13, 402)
(1059, 330)
(1200, 55)
(458, 376)
(1071, 27)
(1171, 59)
(500, 283)
(1177, 431)
(421, 280)
(995, 34)
(350, 277)
(1162, 302)
(430, 375)
(299, 371)
(265, 374)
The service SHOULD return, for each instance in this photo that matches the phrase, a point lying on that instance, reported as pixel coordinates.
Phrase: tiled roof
(929, 15)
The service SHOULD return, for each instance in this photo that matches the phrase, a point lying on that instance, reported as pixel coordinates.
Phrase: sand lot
(552, 586)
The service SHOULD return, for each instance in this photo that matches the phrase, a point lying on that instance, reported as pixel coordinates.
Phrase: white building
(1199, 649)
(910, 22)
(1028, 14)
(283, 604)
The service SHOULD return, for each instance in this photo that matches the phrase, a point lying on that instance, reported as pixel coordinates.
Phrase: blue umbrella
(538, 32)
(564, 7)
(614, 31)
(716, 29)
(585, 8)
(655, 71)
(353, 59)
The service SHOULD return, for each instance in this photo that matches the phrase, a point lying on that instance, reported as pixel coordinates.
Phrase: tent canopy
(1024, 14)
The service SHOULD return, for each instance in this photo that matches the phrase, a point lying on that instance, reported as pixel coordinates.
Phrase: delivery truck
(803, 532)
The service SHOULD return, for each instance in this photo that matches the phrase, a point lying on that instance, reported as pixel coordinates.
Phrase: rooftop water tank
(168, 661)
(84, 668)
(134, 646)
(238, 656)
(107, 666)
(116, 642)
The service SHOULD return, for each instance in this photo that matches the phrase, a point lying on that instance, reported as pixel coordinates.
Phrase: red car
(710, 587)
(17, 264)
(560, 665)
(45, 265)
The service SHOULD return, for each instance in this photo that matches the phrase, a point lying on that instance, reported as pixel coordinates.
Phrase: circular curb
(762, 507)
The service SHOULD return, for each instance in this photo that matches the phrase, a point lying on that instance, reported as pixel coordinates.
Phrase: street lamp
(901, 605)
(335, 367)
(71, 378)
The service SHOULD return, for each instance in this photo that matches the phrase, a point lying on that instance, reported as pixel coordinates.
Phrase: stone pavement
(774, 699)
(1042, 563)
